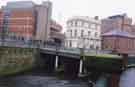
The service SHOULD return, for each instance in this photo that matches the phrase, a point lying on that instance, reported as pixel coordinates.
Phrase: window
(73, 23)
(89, 33)
(97, 47)
(82, 31)
(96, 34)
(70, 44)
(79, 23)
(70, 33)
(75, 33)
(91, 46)
(76, 23)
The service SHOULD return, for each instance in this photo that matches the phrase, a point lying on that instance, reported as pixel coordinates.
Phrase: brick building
(121, 21)
(1, 17)
(27, 21)
(118, 41)
(21, 23)
(18, 21)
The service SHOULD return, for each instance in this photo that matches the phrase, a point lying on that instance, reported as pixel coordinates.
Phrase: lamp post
(82, 54)
(57, 58)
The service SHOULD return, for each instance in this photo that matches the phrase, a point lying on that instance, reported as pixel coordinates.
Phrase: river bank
(14, 60)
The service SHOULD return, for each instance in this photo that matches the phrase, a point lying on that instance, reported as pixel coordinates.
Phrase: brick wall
(119, 44)
(21, 22)
(1, 20)
(117, 23)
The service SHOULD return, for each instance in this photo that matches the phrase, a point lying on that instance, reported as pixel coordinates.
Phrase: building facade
(118, 34)
(119, 42)
(56, 34)
(83, 32)
(18, 21)
(121, 21)
(1, 18)
(43, 18)
(29, 22)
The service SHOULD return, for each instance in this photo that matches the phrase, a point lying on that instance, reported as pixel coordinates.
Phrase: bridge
(72, 62)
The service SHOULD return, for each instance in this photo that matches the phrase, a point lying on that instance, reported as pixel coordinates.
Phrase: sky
(64, 9)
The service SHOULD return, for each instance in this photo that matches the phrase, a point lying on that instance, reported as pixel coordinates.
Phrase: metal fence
(55, 47)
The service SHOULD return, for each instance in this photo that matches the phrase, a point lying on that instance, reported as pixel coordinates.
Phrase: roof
(20, 4)
(118, 32)
(84, 18)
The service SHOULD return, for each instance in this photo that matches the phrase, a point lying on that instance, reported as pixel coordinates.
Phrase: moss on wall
(15, 59)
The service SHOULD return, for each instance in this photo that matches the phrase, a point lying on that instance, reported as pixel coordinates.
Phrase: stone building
(83, 31)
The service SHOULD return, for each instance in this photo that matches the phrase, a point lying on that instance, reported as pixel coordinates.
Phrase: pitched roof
(118, 32)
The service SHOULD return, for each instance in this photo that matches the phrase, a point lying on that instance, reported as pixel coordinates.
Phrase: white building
(82, 31)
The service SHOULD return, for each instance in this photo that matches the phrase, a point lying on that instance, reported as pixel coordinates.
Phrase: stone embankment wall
(14, 59)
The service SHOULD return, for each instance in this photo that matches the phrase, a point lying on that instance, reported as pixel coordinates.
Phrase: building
(121, 21)
(27, 21)
(43, 18)
(1, 18)
(56, 34)
(18, 21)
(118, 34)
(119, 42)
(83, 31)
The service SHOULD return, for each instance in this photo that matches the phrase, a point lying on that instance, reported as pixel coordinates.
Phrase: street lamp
(57, 57)
(82, 53)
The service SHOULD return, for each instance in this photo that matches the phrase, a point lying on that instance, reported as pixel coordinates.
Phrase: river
(41, 80)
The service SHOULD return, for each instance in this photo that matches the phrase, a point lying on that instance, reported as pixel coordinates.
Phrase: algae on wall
(15, 59)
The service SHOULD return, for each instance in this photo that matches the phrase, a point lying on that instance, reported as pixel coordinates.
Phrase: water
(127, 78)
(39, 81)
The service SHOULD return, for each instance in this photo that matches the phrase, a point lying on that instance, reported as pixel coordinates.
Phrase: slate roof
(118, 32)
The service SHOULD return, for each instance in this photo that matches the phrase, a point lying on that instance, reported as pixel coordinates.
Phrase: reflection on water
(39, 81)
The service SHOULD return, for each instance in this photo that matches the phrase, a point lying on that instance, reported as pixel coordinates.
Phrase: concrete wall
(43, 19)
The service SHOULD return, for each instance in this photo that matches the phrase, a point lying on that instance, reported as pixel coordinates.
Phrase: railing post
(56, 58)
(56, 62)
(82, 56)
(81, 67)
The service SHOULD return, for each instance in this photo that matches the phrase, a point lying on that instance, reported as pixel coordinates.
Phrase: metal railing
(55, 47)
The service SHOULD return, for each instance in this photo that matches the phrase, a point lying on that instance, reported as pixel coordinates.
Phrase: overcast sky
(63, 9)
